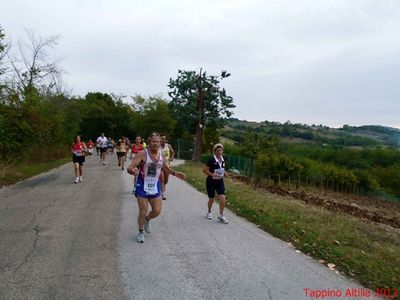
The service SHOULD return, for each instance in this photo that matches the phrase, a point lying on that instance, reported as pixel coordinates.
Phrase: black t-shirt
(213, 164)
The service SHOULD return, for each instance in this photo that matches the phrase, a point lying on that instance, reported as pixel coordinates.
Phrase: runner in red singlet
(78, 157)
(136, 147)
(90, 146)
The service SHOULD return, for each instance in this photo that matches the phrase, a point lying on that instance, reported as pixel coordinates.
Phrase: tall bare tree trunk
(199, 125)
(197, 143)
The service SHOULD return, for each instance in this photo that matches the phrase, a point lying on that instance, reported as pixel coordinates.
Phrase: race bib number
(150, 185)
(219, 173)
(78, 153)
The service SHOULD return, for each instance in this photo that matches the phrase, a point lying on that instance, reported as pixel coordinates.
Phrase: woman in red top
(136, 147)
(90, 146)
(78, 157)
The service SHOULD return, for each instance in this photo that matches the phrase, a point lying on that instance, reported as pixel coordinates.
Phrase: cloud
(332, 62)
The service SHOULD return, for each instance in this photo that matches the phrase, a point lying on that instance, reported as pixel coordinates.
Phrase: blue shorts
(141, 193)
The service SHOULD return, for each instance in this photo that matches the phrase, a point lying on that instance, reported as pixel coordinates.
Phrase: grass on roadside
(365, 251)
(17, 171)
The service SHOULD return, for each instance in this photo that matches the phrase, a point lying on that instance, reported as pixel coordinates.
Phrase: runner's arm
(137, 160)
(168, 169)
(172, 152)
(206, 170)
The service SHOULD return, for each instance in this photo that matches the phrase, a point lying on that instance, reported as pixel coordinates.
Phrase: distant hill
(382, 134)
(350, 136)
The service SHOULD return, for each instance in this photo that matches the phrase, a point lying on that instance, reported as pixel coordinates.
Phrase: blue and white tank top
(150, 172)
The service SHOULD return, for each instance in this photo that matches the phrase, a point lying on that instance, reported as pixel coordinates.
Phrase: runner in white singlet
(148, 189)
(168, 153)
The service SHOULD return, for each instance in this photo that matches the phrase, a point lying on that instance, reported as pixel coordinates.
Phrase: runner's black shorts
(213, 185)
(121, 154)
(102, 150)
(78, 159)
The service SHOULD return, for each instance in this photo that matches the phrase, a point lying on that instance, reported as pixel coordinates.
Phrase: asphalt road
(61, 240)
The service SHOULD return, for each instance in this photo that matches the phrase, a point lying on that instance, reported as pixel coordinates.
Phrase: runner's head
(163, 140)
(77, 139)
(218, 149)
(154, 141)
(138, 140)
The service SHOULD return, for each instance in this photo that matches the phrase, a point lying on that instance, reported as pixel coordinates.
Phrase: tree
(152, 115)
(34, 69)
(3, 48)
(198, 102)
(211, 137)
(388, 178)
(3, 52)
(255, 143)
(106, 113)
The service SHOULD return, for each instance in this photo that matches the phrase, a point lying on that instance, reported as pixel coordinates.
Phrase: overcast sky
(330, 62)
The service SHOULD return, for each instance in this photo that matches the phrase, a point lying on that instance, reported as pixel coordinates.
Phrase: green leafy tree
(255, 144)
(211, 137)
(389, 178)
(152, 114)
(268, 166)
(366, 181)
(198, 101)
(106, 113)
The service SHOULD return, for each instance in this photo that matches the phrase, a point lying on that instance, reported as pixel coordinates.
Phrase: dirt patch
(372, 209)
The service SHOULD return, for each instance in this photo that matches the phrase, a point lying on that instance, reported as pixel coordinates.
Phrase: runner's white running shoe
(222, 219)
(76, 180)
(209, 216)
(147, 227)
(80, 179)
(140, 237)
